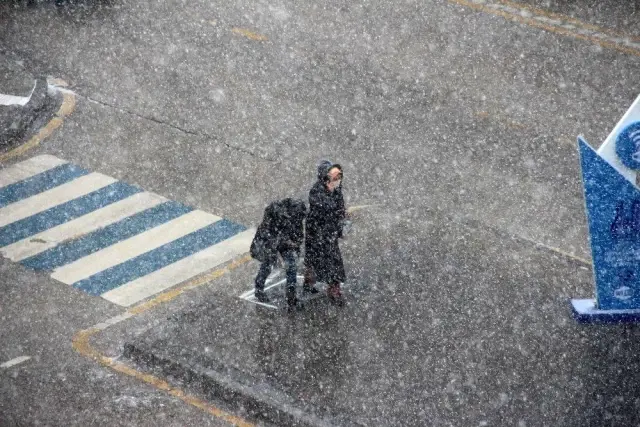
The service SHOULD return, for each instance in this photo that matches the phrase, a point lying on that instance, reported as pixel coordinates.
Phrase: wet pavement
(454, 325)
(458, 125)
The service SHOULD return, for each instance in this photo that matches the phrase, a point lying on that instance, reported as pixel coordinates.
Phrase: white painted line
(133, 246)
(80, 226)
(112, 321)
(28, 168)
(119, 318)
(266, 288)
(56, 196)
(182, 270)
(256, 302)
(14, 362)
(17, 100)
(249, 294)
(101, 326)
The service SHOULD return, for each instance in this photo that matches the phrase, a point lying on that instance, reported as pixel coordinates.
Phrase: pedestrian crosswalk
(104, 236)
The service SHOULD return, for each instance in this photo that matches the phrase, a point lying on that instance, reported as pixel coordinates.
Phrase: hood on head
(324, 167)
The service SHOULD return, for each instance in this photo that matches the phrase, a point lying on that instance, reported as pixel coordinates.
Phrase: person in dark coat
(281, 232)
(323, 260)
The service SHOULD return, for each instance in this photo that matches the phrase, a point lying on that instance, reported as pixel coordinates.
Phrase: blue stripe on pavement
(38, 183)
(157, 258)
(65, 212)
(107, 236)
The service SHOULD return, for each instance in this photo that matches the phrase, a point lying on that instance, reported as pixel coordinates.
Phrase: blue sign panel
(613, 210)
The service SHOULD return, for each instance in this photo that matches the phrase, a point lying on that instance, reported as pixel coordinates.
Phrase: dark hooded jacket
(281, 230)
(324, 228)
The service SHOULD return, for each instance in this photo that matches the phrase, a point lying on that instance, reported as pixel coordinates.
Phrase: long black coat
(324, 228)
(281, 230)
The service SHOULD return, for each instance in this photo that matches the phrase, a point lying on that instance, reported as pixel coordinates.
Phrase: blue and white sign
(613, 210)
(628, 146)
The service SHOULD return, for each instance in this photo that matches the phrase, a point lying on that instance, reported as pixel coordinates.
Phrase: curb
(259, 400)
(44, 98)
(81, 344)
(17, 119)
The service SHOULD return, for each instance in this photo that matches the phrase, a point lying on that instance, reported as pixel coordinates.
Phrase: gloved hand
(346, 227)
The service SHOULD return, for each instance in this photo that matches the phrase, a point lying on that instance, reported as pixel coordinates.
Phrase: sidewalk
(476, 332)
(24, 99)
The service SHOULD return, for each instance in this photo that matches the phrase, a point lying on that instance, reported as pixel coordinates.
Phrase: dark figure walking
(322, 260)
(281, 232)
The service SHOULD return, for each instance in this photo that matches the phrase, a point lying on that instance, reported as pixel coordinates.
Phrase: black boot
(293, 303)
(261, 296)
(310, 289)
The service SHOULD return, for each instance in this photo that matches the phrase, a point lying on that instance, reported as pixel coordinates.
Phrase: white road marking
(80, 226)
(256, 302)
(6, 99)
(56, 196)
(14, 362)
(249, 294)
(179, 271)
(132, 247)
(113, 320)
(28, 168)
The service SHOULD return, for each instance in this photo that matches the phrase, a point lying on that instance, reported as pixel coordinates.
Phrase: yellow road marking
(602, 37)
(173, 293)
(58, 82)
(81, 344)
(572, 20)
(358, 208)
(67, 107)
(503, 119)
(556, 250)
(68, 104)
(249, 34)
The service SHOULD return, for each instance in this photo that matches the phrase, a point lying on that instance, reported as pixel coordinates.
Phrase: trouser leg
(291, 268)
(261, 278)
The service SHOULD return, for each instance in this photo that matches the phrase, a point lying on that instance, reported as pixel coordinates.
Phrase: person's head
(294, 209)
(330, 174)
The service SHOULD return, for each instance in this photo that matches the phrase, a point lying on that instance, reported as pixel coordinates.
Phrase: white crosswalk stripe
(56, 196)
(132, 247)
(180, 271)
(106, 237)
(81, 226)
(28, 168)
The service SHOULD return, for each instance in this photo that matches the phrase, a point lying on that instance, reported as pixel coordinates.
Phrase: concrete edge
(41, 104)
(585, 312)
(66, 104)
(259, 400)
(82, 345)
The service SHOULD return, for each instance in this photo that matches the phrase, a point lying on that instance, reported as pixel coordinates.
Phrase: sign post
(612, 199)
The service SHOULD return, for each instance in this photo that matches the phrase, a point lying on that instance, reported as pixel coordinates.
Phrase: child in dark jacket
(281, 232)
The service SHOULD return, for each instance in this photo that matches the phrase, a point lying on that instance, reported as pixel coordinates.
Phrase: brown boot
(309, 285)
(334, 293)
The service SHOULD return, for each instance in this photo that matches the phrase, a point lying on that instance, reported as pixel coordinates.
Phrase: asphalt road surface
(454, 113)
